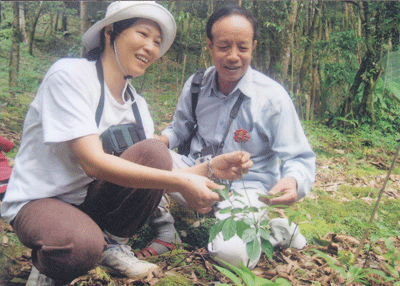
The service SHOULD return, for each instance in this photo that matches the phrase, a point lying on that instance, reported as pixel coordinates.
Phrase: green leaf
(229, 274)
(282, 282)
(236, 211)
(264, 222)
(249, 221)
(392, 270)
(253, 209)
(291, 218)
(260, 281)
(248, 272)
(224, 194)
(280, 206)
(225, 210)
(249, 235)
(267, 247)
(241, 227)
(229, 228)
(215, 229)
(264, 233)
(253, 250)
(321, 242)
(236, 194)
(247, 279)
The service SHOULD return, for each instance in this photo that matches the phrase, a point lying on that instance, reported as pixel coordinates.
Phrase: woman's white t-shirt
(64, 109)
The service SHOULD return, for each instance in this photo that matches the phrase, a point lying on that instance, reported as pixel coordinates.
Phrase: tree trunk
(56, 23)
(84, 22)
(64, 23)
(288, 44)
(22, 24)
(312, 36)
(14, 59)
(370, 69)
(33, 28)
(306, 65)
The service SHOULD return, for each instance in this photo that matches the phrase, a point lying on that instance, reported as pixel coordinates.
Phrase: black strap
(232, 116)
(138, 118)
(100, 107)
(195, 88)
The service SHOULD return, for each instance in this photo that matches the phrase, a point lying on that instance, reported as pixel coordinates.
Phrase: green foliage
(243, 222)
(177, 280)
(392, 257)
(246, 276)
(352, 273)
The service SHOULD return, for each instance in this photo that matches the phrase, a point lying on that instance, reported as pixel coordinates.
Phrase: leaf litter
(299, 267)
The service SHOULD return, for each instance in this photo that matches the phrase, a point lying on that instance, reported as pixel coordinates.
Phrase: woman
(73, 204)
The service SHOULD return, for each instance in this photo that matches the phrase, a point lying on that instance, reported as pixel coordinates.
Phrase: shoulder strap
(100, 107)
(195, 90)
(138, 118)
(232, 116)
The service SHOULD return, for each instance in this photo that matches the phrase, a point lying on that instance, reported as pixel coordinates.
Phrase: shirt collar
(245, 85)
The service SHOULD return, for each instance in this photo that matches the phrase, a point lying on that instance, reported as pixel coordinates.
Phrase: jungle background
(340, 62)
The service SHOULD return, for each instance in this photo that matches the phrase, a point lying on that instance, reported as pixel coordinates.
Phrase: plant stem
(366, 232)
(244, 187)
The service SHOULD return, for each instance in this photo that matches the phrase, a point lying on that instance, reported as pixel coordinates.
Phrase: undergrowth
(363, 154)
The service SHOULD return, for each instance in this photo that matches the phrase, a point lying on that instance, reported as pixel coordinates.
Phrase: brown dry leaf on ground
(300, 267)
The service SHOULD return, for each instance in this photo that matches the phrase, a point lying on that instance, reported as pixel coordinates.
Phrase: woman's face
(138, 47)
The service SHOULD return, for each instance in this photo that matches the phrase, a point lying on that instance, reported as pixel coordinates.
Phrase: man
(284, 164)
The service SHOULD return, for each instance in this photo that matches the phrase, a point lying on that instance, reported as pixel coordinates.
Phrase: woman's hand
(231, 166)
(198, 192)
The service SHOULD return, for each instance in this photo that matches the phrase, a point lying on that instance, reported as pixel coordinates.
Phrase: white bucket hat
(122, 10)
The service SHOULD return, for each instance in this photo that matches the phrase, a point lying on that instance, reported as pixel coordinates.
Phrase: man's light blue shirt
(278, 145)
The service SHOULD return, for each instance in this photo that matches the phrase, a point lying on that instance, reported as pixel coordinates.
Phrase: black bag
(116, 139)
(184, 148)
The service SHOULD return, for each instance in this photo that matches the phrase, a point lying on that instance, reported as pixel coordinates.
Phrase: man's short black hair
(232, 10)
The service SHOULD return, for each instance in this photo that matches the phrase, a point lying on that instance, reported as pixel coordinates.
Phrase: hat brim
(145, 10)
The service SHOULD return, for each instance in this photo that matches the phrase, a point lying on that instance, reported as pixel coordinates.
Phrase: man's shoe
(119, 259)
(284, 235)
(38, 279)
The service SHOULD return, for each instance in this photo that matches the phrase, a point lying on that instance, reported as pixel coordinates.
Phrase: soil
(299, 267)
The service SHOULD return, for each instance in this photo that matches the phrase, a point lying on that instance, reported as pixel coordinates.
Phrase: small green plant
(253, 230)
(392, 257)
(243, 275)
(352, 273)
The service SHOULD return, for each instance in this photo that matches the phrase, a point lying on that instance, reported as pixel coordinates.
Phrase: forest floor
(299, 267)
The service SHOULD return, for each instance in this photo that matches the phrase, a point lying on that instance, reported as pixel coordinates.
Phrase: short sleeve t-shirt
(64, 109)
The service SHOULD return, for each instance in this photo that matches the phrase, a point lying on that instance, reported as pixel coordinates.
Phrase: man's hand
(231, 166)
(283, 193)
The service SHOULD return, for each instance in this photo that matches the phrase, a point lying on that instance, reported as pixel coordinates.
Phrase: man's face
(231, 49)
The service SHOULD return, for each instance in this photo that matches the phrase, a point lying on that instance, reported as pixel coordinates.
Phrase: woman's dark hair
(118, 28)
(232, 10)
